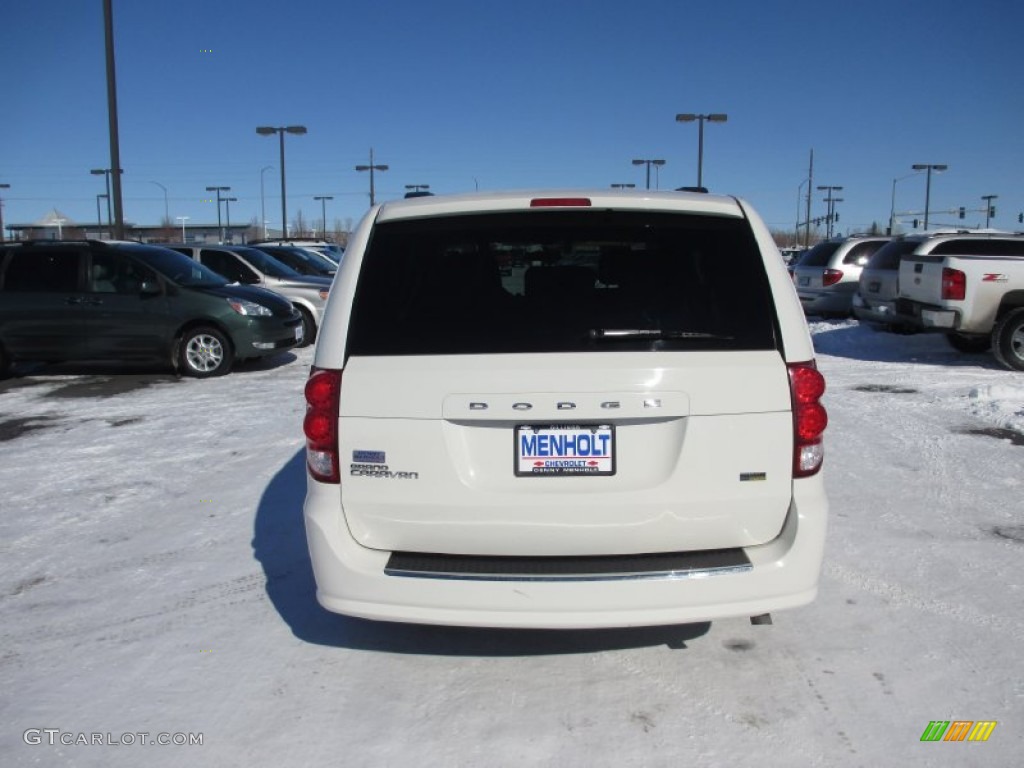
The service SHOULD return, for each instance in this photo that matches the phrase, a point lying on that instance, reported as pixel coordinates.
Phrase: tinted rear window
(561, 281)
(980, 247)
(889, 255)
(819, 255)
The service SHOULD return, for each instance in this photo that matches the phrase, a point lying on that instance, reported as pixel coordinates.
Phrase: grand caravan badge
(373, 464)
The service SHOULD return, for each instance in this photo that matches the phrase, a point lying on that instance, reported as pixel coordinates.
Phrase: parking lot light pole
(689, 117)
(218, 190)
(323, 210)
(105, 172)
(167, 215)
(371, 168)
(649, 163)
(938, 167)
(266, 130)
(183, 219)
(99, 217)
(263, 201)
(2, 235)
(227, 209)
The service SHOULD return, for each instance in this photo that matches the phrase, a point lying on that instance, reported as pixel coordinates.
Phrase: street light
(990, 210)
(266, 130)
(104, 172)
(892, 205)
(649, 163)
(323, 209)
(218, 190)
(263, 201)
(928, 185)
(99, 219)
(2, 235)
(831, 201)
(371, 168)
(688, 117)
(182, 219)
(227, 208)
(167, 215)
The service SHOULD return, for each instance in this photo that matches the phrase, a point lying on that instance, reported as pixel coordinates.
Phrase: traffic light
(962, 211)
(915, 223)
(1020, 218)
(992, 212)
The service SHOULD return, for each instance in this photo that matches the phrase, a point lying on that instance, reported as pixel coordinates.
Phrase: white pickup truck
(972, 291)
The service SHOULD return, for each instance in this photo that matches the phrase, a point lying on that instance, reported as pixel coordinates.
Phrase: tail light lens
(831, 277)
(323, 393)
(807, 385)
(954, 284)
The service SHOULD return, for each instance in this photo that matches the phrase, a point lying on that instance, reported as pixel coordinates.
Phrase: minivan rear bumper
(783, 573)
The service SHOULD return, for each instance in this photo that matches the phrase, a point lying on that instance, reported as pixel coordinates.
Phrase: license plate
(298, 333)
(805, 281)
(564, 449)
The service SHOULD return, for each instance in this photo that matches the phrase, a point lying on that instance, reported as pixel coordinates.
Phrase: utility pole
(115, 152)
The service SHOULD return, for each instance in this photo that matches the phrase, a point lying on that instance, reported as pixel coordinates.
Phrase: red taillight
(323, 393)
(560, 202)
(831, 277)
(954, 284)
(807, 385)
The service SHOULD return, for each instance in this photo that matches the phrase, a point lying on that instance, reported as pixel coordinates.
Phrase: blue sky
(533, 93)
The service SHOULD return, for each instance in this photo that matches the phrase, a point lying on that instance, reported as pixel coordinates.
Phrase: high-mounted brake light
(954, 284)
(323, 394)
(807, 385)
(560, 202)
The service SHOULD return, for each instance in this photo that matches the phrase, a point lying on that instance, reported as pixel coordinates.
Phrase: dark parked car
(251, 266)
(305, 261)
(89, 300)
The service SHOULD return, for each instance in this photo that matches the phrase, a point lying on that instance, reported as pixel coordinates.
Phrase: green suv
(125, 302)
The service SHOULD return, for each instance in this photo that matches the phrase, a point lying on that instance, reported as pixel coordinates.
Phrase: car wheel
(968, 344)
(204, 352)
(308, 327)
(1008, 340)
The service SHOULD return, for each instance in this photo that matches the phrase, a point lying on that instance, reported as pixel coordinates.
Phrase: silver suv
(251, 266)
(570, 409)
(826, 277)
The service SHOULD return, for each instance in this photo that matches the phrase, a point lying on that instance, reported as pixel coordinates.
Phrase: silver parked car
(826, 276)
(250, 266)
(879, 284)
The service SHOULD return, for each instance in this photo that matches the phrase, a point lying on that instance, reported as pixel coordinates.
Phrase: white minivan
(564, 409)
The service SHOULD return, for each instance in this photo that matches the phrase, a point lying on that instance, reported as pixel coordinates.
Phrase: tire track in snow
(900, 596)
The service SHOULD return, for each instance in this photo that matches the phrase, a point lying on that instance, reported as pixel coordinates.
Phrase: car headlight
(244, 307)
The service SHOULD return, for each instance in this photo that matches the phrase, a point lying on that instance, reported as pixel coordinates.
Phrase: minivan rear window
(889, 255)
(561, 281)
(819, 255)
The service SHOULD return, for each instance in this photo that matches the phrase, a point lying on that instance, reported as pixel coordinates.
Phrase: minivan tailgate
(701, 442)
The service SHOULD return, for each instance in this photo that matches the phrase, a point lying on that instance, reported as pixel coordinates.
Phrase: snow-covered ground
(154, 580)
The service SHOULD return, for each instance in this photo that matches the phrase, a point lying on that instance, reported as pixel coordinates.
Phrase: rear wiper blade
(614, 334)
